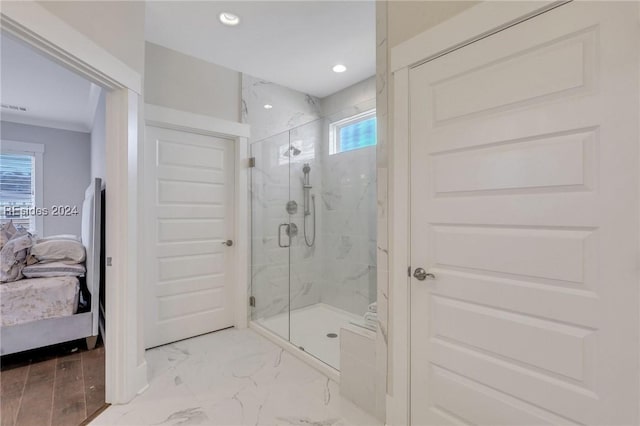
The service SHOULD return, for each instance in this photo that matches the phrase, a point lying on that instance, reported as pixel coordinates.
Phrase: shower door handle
(280, 235)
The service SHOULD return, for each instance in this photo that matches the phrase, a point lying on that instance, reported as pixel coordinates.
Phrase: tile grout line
(84, 385)
(24, 386)
(53, 391)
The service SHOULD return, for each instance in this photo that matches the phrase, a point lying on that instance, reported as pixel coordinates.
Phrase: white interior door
(524, 195)
(189, 201)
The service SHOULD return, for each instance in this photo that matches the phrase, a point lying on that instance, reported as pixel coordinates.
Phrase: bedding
(13, 256)
(38, 298)
(65, 250)
(32, 309)
(7, 230)
(54, 269)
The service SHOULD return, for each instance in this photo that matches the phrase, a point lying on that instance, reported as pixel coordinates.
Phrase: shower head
(306, 168)
(292, 152)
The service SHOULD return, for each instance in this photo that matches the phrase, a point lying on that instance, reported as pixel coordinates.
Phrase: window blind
(17, 189)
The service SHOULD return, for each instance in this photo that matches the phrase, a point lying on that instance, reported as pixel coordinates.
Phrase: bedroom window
(358, 131)
(21, 185)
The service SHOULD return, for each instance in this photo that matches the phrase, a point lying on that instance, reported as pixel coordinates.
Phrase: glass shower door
(313, 238)
(270, 263)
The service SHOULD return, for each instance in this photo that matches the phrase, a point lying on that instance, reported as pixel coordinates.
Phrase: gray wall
(66, 170)
(175, 80)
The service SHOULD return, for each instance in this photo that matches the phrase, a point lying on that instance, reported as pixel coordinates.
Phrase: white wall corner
(125, 364)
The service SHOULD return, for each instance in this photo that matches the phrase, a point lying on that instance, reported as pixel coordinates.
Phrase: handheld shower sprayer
(306, 187)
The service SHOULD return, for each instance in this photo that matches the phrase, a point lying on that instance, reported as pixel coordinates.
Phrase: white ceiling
(52, 95)
(291, 43)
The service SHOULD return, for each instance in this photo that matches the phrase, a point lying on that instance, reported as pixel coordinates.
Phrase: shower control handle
(280, 235)
(422, 275)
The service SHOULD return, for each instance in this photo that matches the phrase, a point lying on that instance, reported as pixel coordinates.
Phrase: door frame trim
(31, 23)
(476, 23)
(173, 119)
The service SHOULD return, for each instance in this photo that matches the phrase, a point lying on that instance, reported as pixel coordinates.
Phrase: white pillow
(68, 251)
(54, 269)
(60, 237)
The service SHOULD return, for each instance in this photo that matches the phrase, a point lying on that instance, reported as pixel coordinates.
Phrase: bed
(42, 313)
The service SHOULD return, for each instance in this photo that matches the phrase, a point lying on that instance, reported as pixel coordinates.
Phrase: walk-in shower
(313, 266)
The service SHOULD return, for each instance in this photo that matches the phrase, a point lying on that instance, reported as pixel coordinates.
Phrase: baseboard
(141, 379)
(94, 415)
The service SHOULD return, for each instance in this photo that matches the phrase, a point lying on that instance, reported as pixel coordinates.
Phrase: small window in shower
(355, 132)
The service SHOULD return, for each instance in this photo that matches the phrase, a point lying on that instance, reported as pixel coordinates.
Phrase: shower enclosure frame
(293, 302)
(253, 324)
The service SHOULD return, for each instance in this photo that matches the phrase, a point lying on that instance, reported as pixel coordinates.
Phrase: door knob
(228, 243)
(422, 275)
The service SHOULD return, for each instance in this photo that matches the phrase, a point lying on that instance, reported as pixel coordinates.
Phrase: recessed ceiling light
(339, 68)
(268, 106)
(229, 19)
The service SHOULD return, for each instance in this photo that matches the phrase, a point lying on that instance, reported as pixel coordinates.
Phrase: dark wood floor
(57, 386)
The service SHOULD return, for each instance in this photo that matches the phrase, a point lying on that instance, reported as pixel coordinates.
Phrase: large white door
(524, 195)
(189, 206)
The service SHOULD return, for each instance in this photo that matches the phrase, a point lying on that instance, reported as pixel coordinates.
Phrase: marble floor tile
(233, 377)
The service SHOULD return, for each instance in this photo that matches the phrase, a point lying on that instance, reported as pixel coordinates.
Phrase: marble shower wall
(340, 268)
(307, 263)
(349, 208)
(349, 235)
(291, 108)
